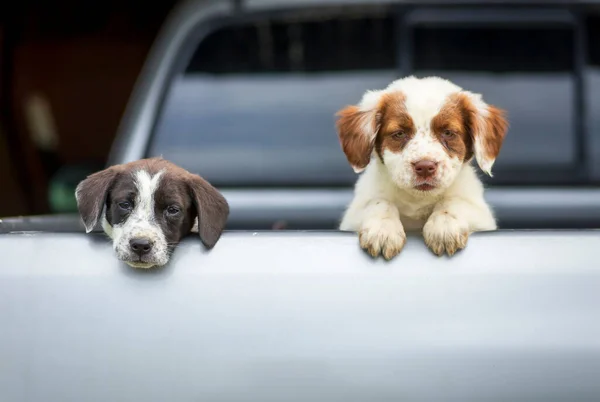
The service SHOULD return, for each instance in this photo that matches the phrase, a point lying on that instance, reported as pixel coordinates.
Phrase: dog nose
(425, 168)
(140, 246)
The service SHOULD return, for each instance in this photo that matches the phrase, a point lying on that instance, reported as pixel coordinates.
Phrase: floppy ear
(488, 129)
(357, 129)
(212, 209)
(91, 195)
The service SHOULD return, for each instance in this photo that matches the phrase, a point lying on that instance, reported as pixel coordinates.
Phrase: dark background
(82, 59)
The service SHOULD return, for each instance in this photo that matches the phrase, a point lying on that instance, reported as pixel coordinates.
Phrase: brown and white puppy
(149, 206)
(415, 140)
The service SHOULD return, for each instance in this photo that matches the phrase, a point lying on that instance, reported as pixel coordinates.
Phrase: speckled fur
(386, 201)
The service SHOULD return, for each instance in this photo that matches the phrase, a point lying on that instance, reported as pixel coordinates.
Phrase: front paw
(445, 233)
(385, 237)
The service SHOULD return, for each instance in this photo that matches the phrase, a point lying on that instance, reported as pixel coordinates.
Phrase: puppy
(149, 206)
(415, 140)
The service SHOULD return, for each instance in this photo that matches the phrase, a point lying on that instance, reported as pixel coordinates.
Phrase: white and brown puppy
(149, 206)
(415, 140)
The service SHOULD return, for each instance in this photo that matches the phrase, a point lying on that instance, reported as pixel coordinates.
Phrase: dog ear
(212, 210)
(488, 129)
(91, 196)
(357, 129)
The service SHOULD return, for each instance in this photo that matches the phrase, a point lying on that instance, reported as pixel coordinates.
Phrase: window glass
(592, 84)
(256, 104)
(526, 71)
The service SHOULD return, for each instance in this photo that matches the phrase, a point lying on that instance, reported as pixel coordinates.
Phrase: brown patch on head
(452, 127)
(356, 131)
(397, 127)
(91, 194)
(172, 192)
(387, 126)
(198, 196)
(496, 128)
(486, 125)
(179, 198)
(212, 210)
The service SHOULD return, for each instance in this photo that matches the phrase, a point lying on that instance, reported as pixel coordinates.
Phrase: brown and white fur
(415, 140)
(149, 206)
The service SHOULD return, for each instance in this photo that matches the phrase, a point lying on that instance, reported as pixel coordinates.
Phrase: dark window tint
(528, 72)
(256, 104)
(592, 85)
(592, 28)
(342, 44)
(534, 50)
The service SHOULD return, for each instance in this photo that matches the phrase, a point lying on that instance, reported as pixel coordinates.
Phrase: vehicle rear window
(528, 71)
(255, 105)
(593, 90)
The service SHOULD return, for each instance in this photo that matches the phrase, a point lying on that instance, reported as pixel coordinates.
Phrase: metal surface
(301, 317)
(515, 208)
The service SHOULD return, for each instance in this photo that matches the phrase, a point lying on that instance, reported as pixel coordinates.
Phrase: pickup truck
(303, 314)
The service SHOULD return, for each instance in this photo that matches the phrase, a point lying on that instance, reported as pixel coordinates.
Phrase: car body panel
(321, 209)
(297, 316)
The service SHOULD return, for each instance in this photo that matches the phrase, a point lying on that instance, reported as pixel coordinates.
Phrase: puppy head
(149, 206)
(423, 131)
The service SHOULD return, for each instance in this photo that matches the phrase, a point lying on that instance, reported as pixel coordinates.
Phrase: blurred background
(244, 92)
(67, 71)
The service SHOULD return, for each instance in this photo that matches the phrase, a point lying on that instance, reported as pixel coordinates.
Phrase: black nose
(425, 168)
(140, 246)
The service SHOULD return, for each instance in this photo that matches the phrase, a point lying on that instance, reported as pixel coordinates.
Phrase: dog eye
(126, 205)
(399, 134)
(172, 210)
(449, 133)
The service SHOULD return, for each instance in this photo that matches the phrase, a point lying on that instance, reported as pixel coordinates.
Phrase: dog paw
(443, 233)
(385, 237)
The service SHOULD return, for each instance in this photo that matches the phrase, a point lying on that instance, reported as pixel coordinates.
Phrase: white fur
(386, 204)
(424, 100)
(370, 100)
(140, 224)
